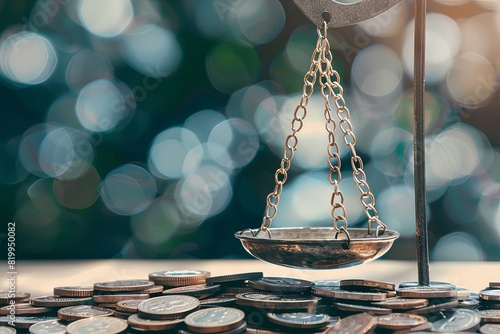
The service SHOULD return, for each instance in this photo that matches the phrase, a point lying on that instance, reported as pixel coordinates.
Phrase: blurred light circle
(396, 207)
(300, 45)
(457, 246)
(11, 168)
(240, 140)
(102, 105)
(128, 190)
(388, 150)
(152, 51)
(244, 102)
(62, 112)
(377, 70)
(202, 122)
(106, 18)
(443, 40)
(158, 223)
(85, 67)
(472, 80)
(489, 207)
(27, 58)
(258, 21)
(267, 120)
(168, 152)
(79, 193)
(225, 60)
(56, 152)
(210, 17)
(386, 24)
(479, 25)
(205, 193)
(42, 196)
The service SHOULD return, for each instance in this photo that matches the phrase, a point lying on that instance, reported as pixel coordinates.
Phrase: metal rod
(419, 145)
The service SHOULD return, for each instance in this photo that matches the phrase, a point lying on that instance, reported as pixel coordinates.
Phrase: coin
(281, 284)
(23, 308)
(155, 289)
(74, 291)
(118, 297)
(234, 278)
(435, 307)
(274, 301)
(167, 307)
(218, 301)
(433, 284)
(124, 285)
(23, 321)
(328, 282)
(72, 313)
(214, 320)
(363, 283)
(462, 293)
(104, 325)
(129, 305)
(239, 330)
(179, 277)
(490, 329)
(402, 303)
(426, 292)
(423, 327)
(492, 295)
(361, 308)
(458, 320)
(56, 301)
(490, 316)
(396, 321)
(299, 320)
(8, 330)
(355, 324)
(5, 297)
(468, 303)
(199, 291)
(494, 285)
(152, 325)
(332, 292)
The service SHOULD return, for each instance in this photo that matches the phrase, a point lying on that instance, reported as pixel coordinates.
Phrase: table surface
(40, 277)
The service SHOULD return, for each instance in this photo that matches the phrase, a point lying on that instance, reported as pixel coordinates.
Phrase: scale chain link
(331, 90)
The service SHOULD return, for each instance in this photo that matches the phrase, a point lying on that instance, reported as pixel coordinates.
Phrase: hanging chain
(321, 61)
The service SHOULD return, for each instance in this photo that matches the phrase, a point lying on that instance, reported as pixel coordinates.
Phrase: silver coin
(49, 327)
(215, 320)
(299, 320)
(328, 282)
(490, 329)
(459, 320)
(275, 301)
(104, 325)
(167, 307)
(281, 284)
(492, 294)
(10, 330)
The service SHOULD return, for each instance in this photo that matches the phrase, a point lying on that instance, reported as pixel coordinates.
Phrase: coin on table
(402, 303)
(104, 325)
(494, 285)
(234, 278)
(355, 324)
(368, 284)
(361, 308)
(56, 301)
(436, 307)
(397, 321)
(462, 293)
(215, 320)
(155, 289)
(327, 282)
(72, 313)
(424, 327)
(167, 307)
(239, 330)
(74, 291)
(468, 303)
(427, 292)
(23, 308)
(274, 301)
(199, 291)
(490, 329)
(218, 301)
(179, 277)
(281, 284)
(5, 297)
(300, 320)
(129, 305)
(123, 285)
(348, 295)
(490, 316)
(24, 321)
(10, 330)
(490, 294)
(49, 327)
(152, 325)
(458, 320)
(115, 298)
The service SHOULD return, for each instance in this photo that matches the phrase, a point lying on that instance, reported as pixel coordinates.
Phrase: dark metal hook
(338, 14)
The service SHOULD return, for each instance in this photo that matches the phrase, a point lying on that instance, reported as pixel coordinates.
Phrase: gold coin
(74, 291)
(23, 308)
(333, 292)
(56, 301)
(355, 324)
(363, 283)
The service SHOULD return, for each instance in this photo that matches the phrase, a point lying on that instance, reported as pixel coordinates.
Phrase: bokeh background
(152, 129)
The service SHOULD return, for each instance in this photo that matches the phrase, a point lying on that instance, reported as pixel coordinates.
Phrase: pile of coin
(193, 301)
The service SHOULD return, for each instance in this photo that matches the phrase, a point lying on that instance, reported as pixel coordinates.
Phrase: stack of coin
(108, 294)
(235, 283)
